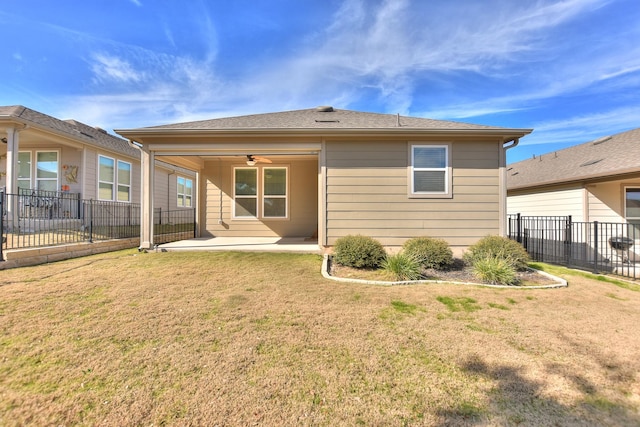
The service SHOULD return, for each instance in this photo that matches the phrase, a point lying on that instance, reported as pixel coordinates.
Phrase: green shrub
(358, 251)
(497, 246)
(402, 266)
(429, 252)
(495, 270)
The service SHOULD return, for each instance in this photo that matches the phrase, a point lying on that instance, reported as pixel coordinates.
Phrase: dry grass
(262, 339)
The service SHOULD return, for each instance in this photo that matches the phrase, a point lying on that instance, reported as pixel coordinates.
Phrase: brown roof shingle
(313, 118)
(70, 128)
(608, 156)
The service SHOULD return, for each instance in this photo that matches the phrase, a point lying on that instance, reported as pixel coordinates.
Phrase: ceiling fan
(252, 160)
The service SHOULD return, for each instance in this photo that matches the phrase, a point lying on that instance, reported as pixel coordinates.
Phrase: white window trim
(115, 184)
(118, 184)
(285, 197)
(178, 178)
(30, 179)
(448, 180)
(256, 197)
(33, 168)
(112, 182)
(624, 196)
(260, 196)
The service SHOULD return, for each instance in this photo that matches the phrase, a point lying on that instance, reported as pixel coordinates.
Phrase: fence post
(91, 221)
(568, 240)
(194, 222)
(518, 229)
(596, 243)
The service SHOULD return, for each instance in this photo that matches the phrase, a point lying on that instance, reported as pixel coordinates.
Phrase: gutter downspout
(503, 184)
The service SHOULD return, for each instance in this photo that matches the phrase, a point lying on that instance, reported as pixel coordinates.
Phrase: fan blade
(262, 159)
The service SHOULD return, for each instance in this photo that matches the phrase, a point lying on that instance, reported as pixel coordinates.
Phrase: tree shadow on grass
(517, 400)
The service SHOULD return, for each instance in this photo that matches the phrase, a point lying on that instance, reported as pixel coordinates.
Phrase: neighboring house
(326, 173)
(594, 181)
(44, 155)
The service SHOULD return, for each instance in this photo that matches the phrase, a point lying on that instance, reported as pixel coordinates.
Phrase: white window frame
(276, 196)
(114, 183)
(123, 185)
(260, 196)
(113, 178)
(182, 197)
(244, 196)
(29, 179)
(632, 220)
(447, 169)
(33, 169)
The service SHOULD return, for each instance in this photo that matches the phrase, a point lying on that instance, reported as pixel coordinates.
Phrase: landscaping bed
(458, 273)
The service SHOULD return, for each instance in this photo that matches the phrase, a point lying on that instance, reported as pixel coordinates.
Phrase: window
(185, 190)
(47, 170)
(632, 203)
(106, 178)
(632, 209)
(44, 176)
(24, 170)
(430, 170)
(269, 193)
(274, 199)
(112, 172)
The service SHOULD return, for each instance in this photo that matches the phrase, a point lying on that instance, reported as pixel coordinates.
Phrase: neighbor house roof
(67, 128)
(609, 156)
(321, 119)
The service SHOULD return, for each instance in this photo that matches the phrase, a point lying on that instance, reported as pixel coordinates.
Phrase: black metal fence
(594, 246)
(47, 218)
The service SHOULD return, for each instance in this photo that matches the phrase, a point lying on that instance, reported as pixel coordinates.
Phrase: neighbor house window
(185, 191)
(260, 192)
(124, 181)
(632, 208)
(24, 170)
(43, 175)
(430, 170)
(114, 179)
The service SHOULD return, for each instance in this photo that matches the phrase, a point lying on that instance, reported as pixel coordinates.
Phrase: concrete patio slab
(261, 244)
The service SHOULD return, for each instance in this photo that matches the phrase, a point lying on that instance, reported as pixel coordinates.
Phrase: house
(595, 181)
(325, 173)
(43, 155)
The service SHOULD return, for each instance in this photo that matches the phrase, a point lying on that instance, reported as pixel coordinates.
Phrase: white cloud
(110, 68)
(387, 52)
(584, 128)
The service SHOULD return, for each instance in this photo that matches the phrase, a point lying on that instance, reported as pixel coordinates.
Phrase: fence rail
(35, 218)
(595, 246)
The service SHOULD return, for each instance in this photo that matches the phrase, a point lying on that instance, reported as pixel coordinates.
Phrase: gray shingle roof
(70, 128)
(314, 119)
(603, 157)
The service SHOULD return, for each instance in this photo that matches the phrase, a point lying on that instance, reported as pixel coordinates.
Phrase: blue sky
(570, 69)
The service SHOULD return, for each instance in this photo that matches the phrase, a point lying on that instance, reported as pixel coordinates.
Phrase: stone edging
(560, 283)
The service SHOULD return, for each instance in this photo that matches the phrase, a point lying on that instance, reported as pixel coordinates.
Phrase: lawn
(228, 339)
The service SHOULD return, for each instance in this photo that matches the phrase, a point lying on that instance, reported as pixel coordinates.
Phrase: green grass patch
(498, 306)
(460, 304)
(557, 271)
(404, 307)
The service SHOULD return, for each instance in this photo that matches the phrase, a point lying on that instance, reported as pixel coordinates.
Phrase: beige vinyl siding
(217, 202)
(90, 175)
(561, 202)
(367, 193)
(71, 157)
(606, 200)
